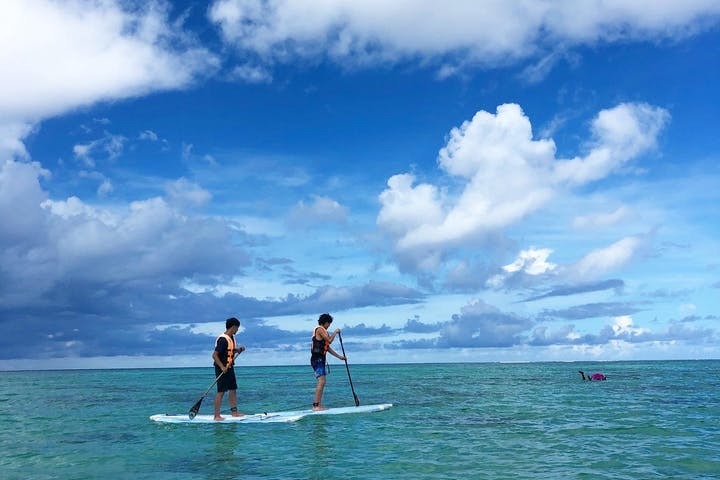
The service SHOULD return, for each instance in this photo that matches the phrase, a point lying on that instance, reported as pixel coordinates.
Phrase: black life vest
(318, 348)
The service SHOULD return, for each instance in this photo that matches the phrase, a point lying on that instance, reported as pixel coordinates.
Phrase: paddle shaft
(357, 402)
(217, 379)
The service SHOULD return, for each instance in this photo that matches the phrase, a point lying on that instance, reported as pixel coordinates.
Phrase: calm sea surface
(472, 421)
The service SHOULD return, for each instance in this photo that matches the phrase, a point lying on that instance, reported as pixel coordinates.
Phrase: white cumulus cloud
(604, 219)
(184, 192)
(532, 261)
(600, 261)
(487, 32)
(503, 174)
(321, 210)
(60, 55)
(619, 134)
(624, 326)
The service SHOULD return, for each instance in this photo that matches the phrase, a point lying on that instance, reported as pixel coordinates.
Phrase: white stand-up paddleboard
(335, 411)
(269, 417)
(256, 418)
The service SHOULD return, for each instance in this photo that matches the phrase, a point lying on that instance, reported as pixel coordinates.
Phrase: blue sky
(477, 181)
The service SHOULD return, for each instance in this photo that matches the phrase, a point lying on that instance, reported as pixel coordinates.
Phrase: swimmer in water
(594, 377)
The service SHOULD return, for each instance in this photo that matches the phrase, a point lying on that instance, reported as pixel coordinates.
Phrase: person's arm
(328, 337)
(218, 362)
(335, 354)
(221, 347)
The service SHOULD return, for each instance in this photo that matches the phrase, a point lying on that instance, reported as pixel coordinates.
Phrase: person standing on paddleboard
(320, 346)
(224, 359)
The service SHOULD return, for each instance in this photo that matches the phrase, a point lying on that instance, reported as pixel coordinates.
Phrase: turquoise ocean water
(474, 421)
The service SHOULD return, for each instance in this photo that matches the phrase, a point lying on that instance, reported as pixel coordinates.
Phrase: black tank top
(319, 347)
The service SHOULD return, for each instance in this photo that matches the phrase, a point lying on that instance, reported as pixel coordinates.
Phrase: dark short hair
(325, 318)
(232, 322)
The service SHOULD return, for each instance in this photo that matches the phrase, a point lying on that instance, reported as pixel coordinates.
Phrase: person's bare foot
(238, 414)
(218, 418)
(319, 407)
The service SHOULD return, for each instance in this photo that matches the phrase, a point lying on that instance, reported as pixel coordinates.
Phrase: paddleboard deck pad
(269, 417)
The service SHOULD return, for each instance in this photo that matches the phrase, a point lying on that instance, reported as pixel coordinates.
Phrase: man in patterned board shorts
(320, 346)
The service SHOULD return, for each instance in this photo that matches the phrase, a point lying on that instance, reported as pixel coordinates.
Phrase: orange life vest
(230, 349)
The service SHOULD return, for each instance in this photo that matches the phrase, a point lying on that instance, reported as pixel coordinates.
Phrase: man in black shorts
(224, 359)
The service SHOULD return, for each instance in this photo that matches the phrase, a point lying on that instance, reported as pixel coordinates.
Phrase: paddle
(196, 408)
(357, 402)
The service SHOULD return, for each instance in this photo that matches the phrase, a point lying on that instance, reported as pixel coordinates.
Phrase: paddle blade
(357, 402)
(195, 409)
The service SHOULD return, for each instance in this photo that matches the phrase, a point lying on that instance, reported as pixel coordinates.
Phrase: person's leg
(319, 387)
(232, 398)
(216, 404)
